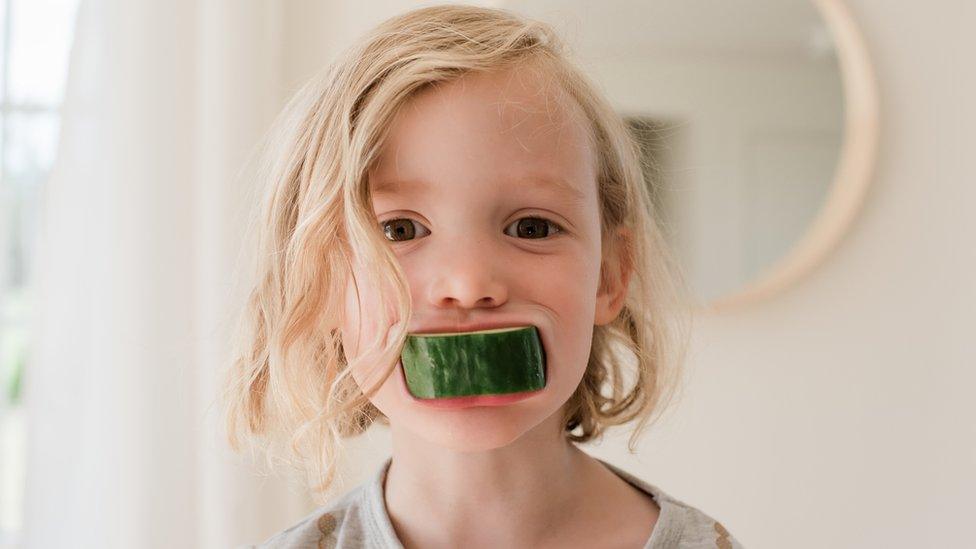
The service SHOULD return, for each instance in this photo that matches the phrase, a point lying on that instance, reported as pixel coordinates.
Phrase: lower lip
(464, 402)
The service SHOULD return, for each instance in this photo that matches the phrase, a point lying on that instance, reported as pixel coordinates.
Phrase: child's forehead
(523, 93)
(516, 120)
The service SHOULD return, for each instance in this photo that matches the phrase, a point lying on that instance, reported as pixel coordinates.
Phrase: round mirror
(758, 123)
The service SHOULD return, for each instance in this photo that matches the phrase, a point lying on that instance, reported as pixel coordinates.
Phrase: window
(35, 39)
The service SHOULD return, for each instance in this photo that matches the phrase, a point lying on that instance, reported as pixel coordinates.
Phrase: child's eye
(400, 229)
(536, 226)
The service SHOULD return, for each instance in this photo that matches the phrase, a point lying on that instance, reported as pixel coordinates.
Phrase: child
(455, 174)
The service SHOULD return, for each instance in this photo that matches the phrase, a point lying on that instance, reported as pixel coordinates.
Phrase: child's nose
(467, 275)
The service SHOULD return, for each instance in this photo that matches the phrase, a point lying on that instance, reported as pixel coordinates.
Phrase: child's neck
(527, 494)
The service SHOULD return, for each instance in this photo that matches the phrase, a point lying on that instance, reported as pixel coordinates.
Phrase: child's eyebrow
(542, 182)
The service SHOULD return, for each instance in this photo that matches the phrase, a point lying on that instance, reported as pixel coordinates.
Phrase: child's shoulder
(679, 523)
(346, 522)
(320, 526)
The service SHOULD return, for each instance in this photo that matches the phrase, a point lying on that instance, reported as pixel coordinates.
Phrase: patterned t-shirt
(359, 520)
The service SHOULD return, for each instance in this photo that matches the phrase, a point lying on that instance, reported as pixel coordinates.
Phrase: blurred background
(808, 159)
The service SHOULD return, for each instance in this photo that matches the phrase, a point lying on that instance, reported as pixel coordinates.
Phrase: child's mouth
(479, 368)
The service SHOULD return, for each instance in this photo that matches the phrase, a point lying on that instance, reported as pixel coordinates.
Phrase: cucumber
(488, 362)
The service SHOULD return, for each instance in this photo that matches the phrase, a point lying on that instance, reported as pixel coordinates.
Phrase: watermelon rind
(497, 361)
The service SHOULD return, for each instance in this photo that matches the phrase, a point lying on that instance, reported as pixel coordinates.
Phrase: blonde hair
(290, 381)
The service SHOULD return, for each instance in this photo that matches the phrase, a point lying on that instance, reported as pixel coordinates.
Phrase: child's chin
(469, 438)
(475, 446)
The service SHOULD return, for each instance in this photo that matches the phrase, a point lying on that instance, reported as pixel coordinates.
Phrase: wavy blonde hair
(289, 390)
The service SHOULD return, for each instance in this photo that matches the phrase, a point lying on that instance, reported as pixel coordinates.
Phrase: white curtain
(142, 222)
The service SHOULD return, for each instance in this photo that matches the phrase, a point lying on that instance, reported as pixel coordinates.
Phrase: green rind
(491, 362)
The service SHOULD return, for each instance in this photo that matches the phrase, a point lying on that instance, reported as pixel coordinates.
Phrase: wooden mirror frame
(851, 178)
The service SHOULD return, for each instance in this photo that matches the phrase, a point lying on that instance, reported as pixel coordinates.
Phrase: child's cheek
(359, 328)
(566, 284)
(361, 323)
(350, 322)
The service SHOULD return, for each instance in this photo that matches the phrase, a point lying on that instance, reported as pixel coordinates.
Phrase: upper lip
(456, 327)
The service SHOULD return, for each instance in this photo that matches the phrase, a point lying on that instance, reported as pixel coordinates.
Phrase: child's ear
(615, 271)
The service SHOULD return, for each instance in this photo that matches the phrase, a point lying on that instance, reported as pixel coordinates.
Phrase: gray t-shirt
(359, 520)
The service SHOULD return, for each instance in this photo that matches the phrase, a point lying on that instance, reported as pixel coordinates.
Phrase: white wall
(839, 414)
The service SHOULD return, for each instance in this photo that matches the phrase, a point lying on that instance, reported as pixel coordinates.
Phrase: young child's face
(460, 194)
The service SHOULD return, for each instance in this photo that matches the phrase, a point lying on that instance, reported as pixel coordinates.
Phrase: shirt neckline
(382, 526)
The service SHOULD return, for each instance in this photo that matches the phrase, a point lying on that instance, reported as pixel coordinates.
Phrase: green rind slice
(488, 362)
